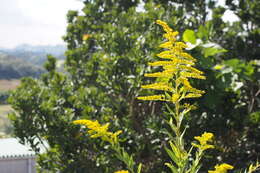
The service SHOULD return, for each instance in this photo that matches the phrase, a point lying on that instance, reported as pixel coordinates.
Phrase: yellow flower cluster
(97, 130)
(122, 171)
(86, 37)
(203, 140)
(223, 168)
(154, 97)
(177, 66)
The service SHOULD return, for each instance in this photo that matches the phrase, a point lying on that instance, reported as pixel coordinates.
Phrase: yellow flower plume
(86, 37)
(203, 140)
(223, 168)
(177, 66)
(122, 171)
(97, 130)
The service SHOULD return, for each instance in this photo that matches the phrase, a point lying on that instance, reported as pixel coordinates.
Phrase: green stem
(178, 139)
(124, 157)
(196, 162)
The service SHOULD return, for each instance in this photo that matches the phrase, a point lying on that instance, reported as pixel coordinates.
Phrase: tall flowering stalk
(173, 81)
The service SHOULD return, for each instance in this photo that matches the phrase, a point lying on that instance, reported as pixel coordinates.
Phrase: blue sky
(39, 22)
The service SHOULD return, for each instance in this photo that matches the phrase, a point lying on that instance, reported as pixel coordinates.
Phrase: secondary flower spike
(177, 68)
(122, 171)
(97, 130)
(203, 140)
(223, 168)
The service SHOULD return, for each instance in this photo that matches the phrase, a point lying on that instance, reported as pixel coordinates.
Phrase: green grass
(5, 124)
(5, 109)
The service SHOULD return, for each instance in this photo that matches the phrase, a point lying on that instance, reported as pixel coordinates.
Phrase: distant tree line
(13, 68)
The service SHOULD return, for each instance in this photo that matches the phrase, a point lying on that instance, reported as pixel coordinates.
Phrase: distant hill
(35, 54)
(14, 68)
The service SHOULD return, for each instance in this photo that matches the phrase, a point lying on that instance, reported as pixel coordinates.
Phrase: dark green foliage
(3, 97)
(103, 77)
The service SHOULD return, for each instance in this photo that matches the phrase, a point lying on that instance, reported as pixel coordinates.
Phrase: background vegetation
(21, 61)
(14, 68)
(109, 44)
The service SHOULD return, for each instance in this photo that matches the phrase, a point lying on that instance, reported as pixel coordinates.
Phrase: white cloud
(34, 21)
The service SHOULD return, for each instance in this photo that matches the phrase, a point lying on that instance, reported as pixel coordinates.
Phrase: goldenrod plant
(96, 130)
(178, 68)
(173, 81)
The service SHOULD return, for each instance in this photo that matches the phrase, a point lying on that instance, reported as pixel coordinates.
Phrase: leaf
(173, 169)
(139, 168)
(174, 153)
(202, 32)
(170, 110)
(172, 125)
(232, 62)
(211, 51)
(189, 36)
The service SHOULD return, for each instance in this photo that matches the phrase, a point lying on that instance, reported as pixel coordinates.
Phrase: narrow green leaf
(172, 155)
(173, 169)
(169, 109)
(139, 168)
(211, 51)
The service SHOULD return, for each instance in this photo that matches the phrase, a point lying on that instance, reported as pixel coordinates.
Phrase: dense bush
(3, 97)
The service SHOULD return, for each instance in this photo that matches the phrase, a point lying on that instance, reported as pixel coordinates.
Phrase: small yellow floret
(122, 171)
(158, 86)
(166, 28)
(223, 168)
(192, 95)
(181, 45)
(175, 97)
(203, 140)
(161, 63)
(192, 75)
(166, 45)
(188, 56)
(164, 74)
(154, 97)
(191, 69)
(86, 37)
